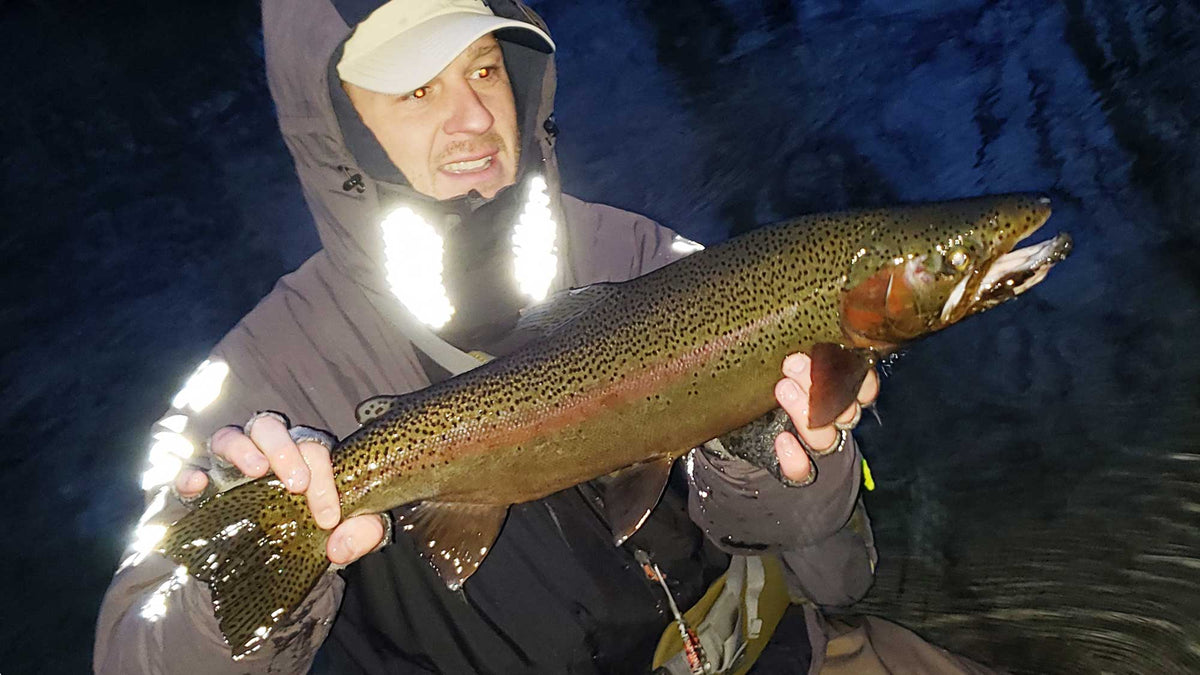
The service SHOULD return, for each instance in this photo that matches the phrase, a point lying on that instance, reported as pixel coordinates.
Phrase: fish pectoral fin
(374, 407)
(563, 307)
(453, 537)
(837, 375)
(630, 494)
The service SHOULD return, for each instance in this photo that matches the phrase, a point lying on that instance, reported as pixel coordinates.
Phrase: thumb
(355, 538)
(794, 463)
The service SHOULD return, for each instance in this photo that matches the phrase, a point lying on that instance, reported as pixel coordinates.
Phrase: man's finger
(235, 447)
(798, 366)
(322, 494)
(793, 399)
(869, 389)
(818, 439)
(271, 436)
(850, 416)
(354, 538)
(794, 463)
(189, 483)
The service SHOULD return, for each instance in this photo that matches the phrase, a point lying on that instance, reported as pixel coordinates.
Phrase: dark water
(1039, 475)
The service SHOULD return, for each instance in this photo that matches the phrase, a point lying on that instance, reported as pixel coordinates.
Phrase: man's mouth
(469, 165)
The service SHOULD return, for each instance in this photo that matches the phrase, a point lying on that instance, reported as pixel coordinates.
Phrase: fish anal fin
(837, 375)
(630, 494)
(453, 537)
(374, 407)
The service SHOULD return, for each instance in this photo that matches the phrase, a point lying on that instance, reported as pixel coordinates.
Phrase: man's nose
(468, 114)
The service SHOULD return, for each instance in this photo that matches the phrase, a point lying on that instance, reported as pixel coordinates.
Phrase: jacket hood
(347, 179)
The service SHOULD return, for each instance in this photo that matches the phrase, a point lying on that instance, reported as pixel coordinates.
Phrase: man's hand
(303, 467)
(792, 393)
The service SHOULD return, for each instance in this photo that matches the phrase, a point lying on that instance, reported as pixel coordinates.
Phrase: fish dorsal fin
(837, 375)
(453, 537)
(563, 307)
(630, 494)
(378, 405)
(374, 407)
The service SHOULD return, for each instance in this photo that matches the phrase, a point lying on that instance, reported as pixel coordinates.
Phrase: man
(425, 145)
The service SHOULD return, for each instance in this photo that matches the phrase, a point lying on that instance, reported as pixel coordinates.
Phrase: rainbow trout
(623, 376)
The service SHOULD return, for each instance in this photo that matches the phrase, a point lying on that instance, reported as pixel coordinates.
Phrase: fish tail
(260, 551)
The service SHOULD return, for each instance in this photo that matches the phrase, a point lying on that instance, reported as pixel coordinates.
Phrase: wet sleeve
(820, 531)
(156, 619)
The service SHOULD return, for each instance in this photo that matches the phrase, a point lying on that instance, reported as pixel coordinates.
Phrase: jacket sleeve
(156, 619)
(820, 532)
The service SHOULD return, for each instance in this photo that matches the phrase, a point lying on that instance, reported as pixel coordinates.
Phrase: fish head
(919, 269)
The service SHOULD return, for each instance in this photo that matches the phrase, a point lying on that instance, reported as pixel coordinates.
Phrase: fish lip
(1015, 272)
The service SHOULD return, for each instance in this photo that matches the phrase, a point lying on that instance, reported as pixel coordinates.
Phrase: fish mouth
(1021, 269)
(1008, 276)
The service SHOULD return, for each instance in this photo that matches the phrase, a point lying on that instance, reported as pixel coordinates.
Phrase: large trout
(625, 376)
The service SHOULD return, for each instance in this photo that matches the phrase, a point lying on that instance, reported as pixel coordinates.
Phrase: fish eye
(959, 258)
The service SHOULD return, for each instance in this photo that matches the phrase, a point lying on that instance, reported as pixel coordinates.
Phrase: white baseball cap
(406, 43)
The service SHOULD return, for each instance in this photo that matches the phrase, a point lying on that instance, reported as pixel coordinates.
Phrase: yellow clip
(868, 480)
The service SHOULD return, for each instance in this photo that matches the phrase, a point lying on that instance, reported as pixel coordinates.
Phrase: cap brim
(417, 55)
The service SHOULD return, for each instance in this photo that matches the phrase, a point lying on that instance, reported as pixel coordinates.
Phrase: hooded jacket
(554, 594)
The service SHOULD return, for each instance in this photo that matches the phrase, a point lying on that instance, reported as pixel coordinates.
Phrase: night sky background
(1039, 470)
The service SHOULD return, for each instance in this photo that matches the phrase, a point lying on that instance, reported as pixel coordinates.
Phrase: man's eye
(421, 92)
(485, 72)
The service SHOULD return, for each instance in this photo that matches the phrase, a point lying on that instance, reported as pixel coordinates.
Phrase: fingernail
(186, 485)
(795, 364)
(787, 445)
(337, 550)
(791, 457)
(222, 433)
(788, 391)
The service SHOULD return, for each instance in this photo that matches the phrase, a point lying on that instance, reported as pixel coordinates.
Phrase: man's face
(455, 134)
